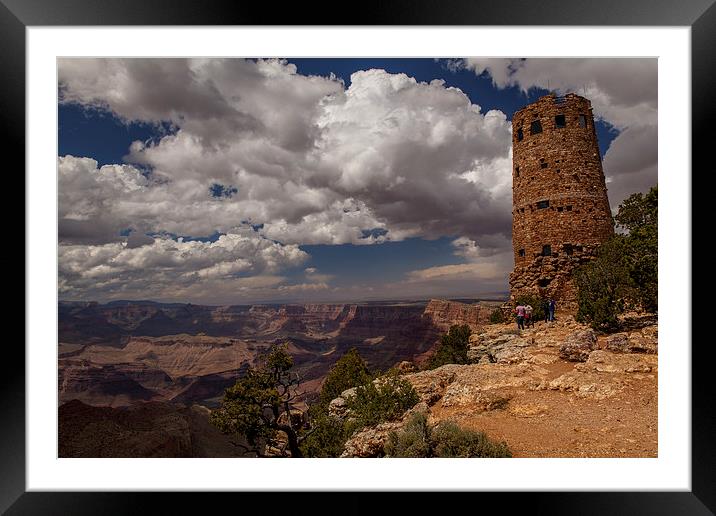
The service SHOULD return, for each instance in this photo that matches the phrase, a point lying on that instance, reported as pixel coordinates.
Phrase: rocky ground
(554, 390)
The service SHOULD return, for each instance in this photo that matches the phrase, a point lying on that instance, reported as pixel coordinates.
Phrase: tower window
(569, 208)
(560, 121)
(535, 127)
(582, 121)
(542, 204)
(543, 282)
(546, 250)
(543, 164)
(567, 248)
(521, 252)
(517, 171)
(559, 209)
(520, 134)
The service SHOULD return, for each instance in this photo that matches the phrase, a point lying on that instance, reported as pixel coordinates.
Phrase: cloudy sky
(302, 180)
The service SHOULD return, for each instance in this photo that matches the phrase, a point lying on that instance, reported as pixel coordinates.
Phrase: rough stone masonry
(560, 209)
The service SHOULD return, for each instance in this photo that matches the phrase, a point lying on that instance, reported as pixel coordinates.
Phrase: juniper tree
(259, 405)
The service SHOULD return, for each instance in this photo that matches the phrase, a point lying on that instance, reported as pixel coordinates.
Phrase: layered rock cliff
(443, 314)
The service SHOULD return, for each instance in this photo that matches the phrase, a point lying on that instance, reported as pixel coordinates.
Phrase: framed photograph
(238, 205)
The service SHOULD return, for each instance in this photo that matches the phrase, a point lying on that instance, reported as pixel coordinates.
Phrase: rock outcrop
(498, 347)
(370, 442)
(578, 345)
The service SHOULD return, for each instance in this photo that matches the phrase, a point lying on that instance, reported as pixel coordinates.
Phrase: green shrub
(452, 348)
(327, 438)
(603, 285)
(329, 433)
(386, 401)
(638, 217)
(497, 316)
(412, 441)
(452, 441)
(625, 271)
(446, 439)
(349, 371)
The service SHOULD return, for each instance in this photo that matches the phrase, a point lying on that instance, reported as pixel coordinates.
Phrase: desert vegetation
(444, 439)
(452, 348)
(261, 407)
(624, 274)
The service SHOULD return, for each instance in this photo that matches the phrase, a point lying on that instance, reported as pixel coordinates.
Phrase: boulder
(618, 342)
(474, 397)
(370, 442)
(577, 346)
(510, 355)
(587, 384)
(338, 407)
(406, 367)
(641, 343)
(636, 342)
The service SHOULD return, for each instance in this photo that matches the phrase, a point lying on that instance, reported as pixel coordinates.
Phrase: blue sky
(305, 256)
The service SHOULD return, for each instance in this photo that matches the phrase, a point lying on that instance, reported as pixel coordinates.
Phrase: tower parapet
(560, 208)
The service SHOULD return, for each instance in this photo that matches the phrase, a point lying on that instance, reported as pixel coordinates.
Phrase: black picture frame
(700, 15)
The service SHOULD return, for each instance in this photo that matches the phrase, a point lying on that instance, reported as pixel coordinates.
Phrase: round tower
(560, 209)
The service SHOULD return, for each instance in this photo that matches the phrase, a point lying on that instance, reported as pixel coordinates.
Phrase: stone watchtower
(560, 209)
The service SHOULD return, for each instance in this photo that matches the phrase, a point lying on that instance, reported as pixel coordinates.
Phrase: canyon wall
(118, 354)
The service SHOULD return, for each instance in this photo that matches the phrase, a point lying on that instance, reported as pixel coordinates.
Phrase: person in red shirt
(520, 311)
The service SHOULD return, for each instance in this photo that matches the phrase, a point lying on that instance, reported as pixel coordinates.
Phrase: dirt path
(552, 423)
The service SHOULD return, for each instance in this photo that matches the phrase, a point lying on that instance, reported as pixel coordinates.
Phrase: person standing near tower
(552, 306)
(528, 316)
(520, 311)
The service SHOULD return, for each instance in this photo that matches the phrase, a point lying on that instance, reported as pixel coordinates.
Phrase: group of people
(524, 313)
